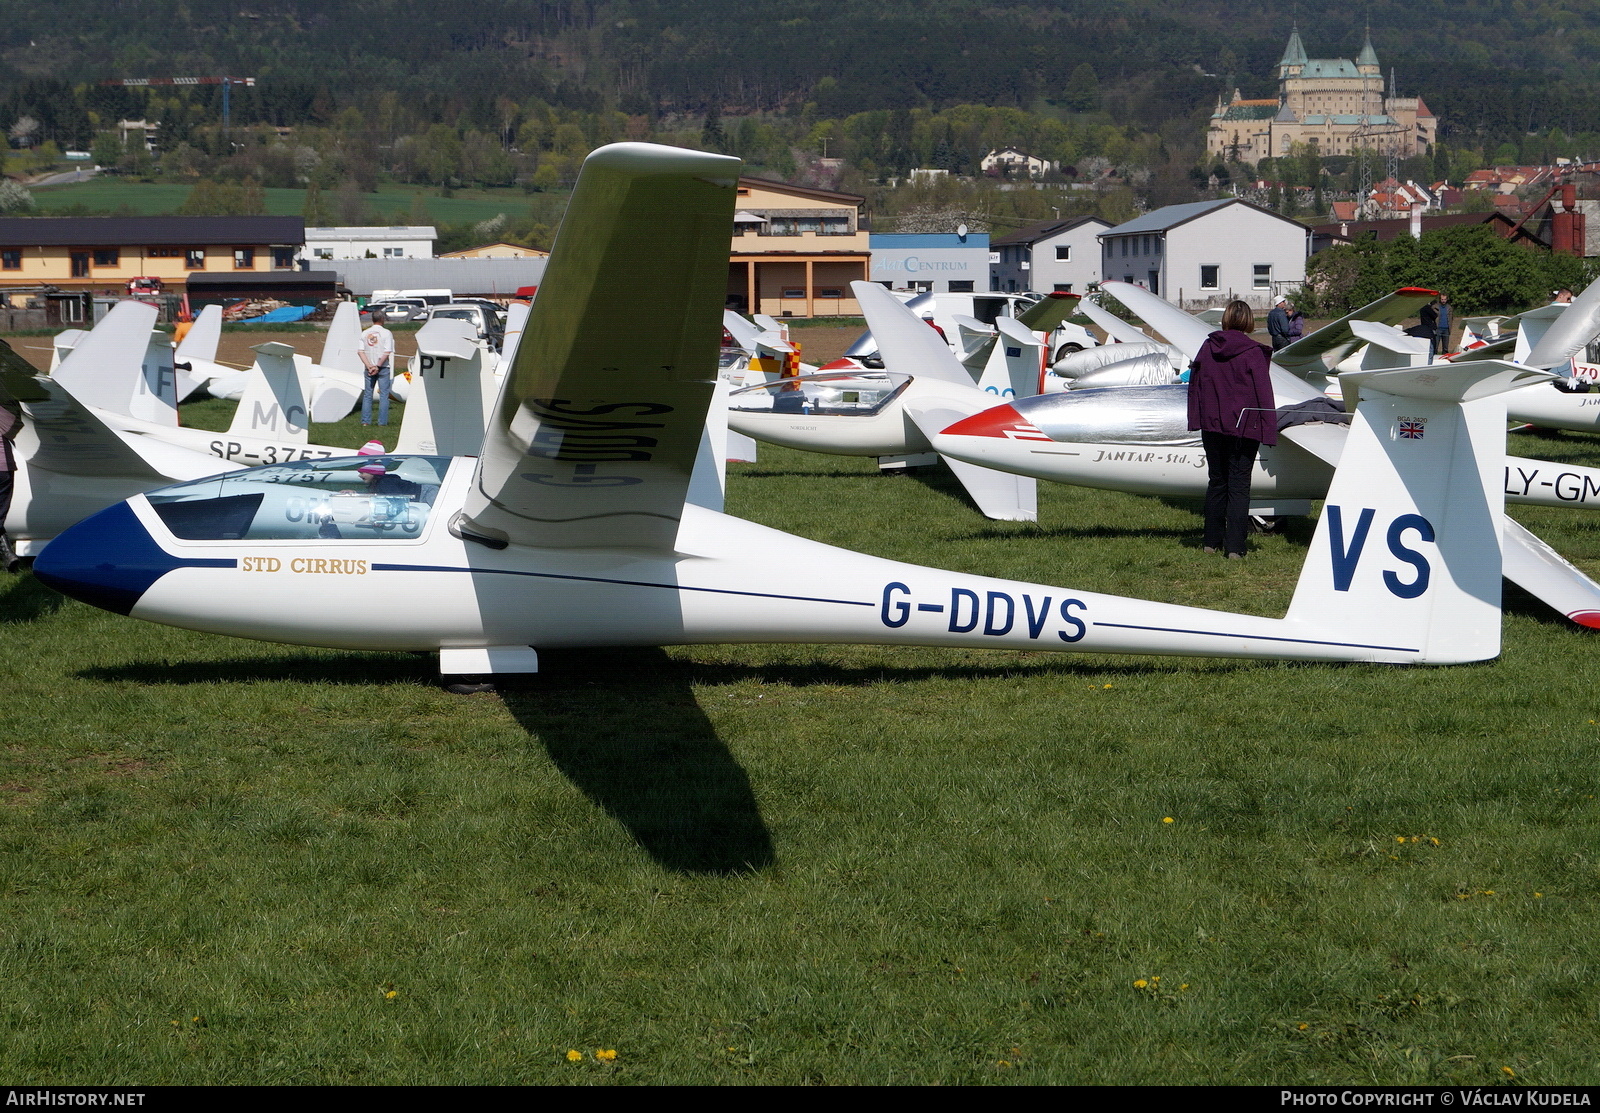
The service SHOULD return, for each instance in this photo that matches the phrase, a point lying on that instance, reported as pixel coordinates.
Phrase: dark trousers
(1229, 462)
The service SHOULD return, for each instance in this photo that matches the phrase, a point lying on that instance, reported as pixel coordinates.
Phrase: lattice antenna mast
(1392, 163)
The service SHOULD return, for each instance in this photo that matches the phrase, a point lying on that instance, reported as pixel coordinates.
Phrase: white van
(431, 297)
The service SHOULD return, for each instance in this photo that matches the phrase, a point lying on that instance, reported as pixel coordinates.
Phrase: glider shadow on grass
(621, 724)
(625, 728)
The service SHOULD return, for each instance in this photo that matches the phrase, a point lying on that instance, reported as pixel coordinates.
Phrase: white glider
(575, 527)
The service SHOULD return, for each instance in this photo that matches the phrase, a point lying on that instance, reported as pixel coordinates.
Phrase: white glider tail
(1408, 545)
(124, 367)
(274, 402)
(452, 394)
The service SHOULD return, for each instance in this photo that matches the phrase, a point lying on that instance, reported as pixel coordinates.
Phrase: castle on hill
(1333, 102)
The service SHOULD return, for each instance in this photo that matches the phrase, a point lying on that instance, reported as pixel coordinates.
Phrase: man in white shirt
(377, 356)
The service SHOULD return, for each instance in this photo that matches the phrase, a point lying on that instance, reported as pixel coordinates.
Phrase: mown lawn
(226, 861)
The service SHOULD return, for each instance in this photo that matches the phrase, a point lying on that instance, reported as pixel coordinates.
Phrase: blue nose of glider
(109, 560)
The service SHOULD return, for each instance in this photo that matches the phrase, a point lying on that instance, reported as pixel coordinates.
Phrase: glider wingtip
(652, 158)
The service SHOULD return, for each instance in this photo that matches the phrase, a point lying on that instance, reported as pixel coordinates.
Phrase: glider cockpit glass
(341, 498)
(732, 365)
(837, 394)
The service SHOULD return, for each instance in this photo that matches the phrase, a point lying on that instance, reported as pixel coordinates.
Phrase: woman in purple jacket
(1231, 403)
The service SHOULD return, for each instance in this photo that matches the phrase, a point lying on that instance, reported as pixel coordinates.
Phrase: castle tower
(1371, 78)
(1367, 60)
(1294, 56)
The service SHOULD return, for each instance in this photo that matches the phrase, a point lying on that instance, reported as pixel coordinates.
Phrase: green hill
(116, 195)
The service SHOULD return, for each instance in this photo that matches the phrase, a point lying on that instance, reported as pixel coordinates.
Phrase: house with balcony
(103, 253)
(1011, 162)
(795, 250)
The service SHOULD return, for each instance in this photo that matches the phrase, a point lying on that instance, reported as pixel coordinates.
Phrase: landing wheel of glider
(1066, 350)
(467, 685)
(1268, 523)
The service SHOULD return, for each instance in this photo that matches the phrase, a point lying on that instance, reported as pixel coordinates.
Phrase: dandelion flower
(1509, 1073)
(1003, 1063)
(573, 1055)
(1107, 686)
(606, 1056)
(1166, 819)
(392, 994)
(1140, 984)
(1303, 1027)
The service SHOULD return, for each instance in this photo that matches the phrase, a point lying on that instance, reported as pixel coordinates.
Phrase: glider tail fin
(452, 396)
(273, 405)
(113, 367)
(1408, 552)
(1013, 367)
(202, 339)
(341, 351)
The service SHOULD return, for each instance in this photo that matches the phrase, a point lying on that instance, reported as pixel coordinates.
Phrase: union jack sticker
(1411, 428)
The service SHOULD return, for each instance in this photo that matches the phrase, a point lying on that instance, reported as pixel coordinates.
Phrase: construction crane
(227, 83)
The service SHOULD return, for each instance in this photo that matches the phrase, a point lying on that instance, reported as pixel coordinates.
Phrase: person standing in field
(1284, 323)
(1232, 404)
(377, 356)
(1435, 317)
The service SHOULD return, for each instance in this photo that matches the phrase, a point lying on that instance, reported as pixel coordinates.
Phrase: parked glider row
(1134, 436)
(104, 424)
(579, 522)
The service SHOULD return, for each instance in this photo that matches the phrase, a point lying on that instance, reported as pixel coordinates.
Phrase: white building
(939, 262)
(1209, 253)
(1052, 255)
(1017, 163)
(394, 242)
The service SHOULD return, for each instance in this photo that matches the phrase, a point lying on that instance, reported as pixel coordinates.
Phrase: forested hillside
(1493, 70)
(431, 98)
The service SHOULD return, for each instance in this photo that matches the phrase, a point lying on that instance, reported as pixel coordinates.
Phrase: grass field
(153, 198)
(232, 862)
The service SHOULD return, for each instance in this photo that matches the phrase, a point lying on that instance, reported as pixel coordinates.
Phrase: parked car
(484, 316)
(399, 312)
